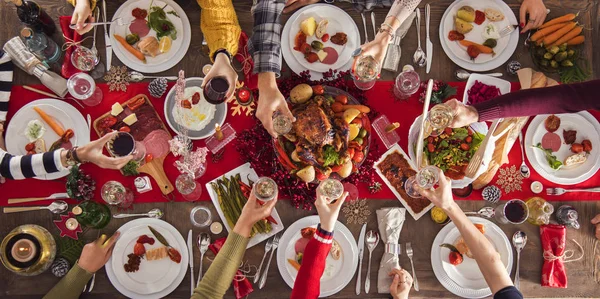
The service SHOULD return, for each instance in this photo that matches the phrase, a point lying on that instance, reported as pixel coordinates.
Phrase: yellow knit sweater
(220, 25)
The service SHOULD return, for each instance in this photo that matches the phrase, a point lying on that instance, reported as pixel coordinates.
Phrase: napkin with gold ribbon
(390, 221)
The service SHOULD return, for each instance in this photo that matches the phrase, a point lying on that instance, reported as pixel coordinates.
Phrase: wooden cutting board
(155, 167)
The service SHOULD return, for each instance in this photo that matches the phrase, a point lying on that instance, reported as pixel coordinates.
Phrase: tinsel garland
(255, 145)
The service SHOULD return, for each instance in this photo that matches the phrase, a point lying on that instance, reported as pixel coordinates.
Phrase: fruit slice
(165, 44)
(354, 130)
(350, 115)
(309, 26)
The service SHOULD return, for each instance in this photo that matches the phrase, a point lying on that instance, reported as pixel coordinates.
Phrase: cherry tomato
(305, 48)
(30, 147)
(469, 139)
(337, 107)
(455, 258)
(430, 147)
(430, 139)
(125, 129)
(464, 147)
(318, 89)
(455, 35)
(351, 153)
(587, 145)
(448, 131)
(149, 158)
(196, 98)
(311, 57)
(341, 99)
(325, 37)
(479, 17)
(321, 176)
(336, 168)
(473, 52)
(186, 104)
(358, 157)
(577, 148)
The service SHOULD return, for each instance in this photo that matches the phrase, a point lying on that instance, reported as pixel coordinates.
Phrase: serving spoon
(461, 74)
(519, 240)
(137, 77)
(485, 212)
(56, 207)
(154, 213)
(372, 239)
(419, 58)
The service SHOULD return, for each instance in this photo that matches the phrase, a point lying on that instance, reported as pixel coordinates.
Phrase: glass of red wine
(124, 145)
(215, 90)
(514, 211)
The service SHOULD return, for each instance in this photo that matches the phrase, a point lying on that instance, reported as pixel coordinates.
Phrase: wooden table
(421, 235)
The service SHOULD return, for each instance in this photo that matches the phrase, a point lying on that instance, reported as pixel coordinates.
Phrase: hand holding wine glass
(219, 84)
(92, 152)
(463, 115)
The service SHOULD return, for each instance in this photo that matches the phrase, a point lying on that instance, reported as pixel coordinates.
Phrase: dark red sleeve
(308, 281)
(566, 98)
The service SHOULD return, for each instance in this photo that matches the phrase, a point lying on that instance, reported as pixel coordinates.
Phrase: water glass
(282, 124)
(514, 211)
(331, 188)
(188, 187)
(82, 87)
(114, 193)
(265, 189)
(426, 178)
(407, 83)
(365, 72)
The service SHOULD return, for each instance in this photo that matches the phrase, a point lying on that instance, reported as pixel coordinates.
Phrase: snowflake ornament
(356, 211)
(510, 179)
(118, 78)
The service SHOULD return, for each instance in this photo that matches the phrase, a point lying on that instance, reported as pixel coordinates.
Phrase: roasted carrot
(50, 121)
(543, 32)
(481, 48)
(294, 264)
(361, 108)
(565, 18)
(130, 49)
(576, 40)
(551, 38)
(565, 38)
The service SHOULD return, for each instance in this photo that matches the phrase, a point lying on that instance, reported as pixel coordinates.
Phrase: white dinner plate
(501, 84)
(246, 172)
(338, 22)
(63, 113)
(155, 279)
(413, 134)
(209, 129)
(161, 62)
(393, 149)
(447, 24)
(466, 279)
(287, 50)
(587, 127)
(337, 274)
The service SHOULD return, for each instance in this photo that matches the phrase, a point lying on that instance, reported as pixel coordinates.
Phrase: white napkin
(390, 221)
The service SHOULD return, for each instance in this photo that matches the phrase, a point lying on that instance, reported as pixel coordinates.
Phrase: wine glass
(426, 178)
(215, 90)
(407, 83)
(82, 87)
(331, 188)
(115, 194)
(83, 58)
(265, 189)
(188, 187)
(282, 124)
(365, 72)
(123, 144)
(439, 118)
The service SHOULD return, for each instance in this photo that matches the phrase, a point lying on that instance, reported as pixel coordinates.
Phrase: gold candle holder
(47, 250)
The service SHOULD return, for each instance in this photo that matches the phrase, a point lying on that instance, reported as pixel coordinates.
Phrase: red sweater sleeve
(566, 98)
(308, 280)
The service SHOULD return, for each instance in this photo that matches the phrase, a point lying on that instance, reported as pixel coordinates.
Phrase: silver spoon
(57, 207)
(372, 239)
(137, 77)
(519, 240)
(461, 74)
(420, 58)
(524, 168)
(154, 213)
(94, 49)
(203, 242)
(485, 212)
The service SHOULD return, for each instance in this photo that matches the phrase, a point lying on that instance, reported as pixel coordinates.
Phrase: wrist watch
(224, 51)
(72, 158)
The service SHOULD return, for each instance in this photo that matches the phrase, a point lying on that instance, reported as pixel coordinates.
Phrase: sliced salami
(551, 141)
(139, 27)
(157, 143)
(332, 55)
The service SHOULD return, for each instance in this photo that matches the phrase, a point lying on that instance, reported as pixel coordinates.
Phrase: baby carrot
(129, 48)
(50, 121)
(576, 40)
(565, 18)
(543, 32)
(571, 34)
(294, 264)
(551, 38)
(481, 48)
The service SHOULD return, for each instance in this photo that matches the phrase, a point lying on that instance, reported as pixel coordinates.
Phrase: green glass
(94, 215)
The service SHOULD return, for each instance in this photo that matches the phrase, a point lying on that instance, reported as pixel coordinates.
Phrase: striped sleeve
(308, 281)
(6, 77)
(28, 166)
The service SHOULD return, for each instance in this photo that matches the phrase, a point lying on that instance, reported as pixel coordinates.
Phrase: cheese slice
(116, 109)
(40, 146)
(321, 54)
(130, 120)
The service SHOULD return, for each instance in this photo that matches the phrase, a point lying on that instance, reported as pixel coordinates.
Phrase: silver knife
(428, 43)
(30, 199)
(361, 249)
(106, 38)
(190, 239)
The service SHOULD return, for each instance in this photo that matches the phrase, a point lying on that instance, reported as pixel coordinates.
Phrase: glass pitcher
(539, 211)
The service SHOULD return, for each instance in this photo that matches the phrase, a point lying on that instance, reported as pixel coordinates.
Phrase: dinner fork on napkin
(390, 222)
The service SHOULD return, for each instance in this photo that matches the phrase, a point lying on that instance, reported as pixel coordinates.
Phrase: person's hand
(252, 212)
(596, 222)
(291, 5)
(442, 196)
(537, 14)
(376, 48)
(222, 68)
(401, 284)
(81, 14)
(96, 254)
(270, 100)
(328, 212)
(92, 152)
(462, 115)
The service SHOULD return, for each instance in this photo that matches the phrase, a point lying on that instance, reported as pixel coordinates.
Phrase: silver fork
(268, 247)
(561, 191)
(117, 21)
(409, 253)
(505, 31)
(263, 278)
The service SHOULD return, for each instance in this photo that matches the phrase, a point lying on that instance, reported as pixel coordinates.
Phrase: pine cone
(491, 194)
(60, 267)
(158, 87)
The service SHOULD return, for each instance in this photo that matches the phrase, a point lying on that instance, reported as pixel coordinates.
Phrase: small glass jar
(200, 216)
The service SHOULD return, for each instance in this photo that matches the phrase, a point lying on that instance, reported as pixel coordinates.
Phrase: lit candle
(218, 132)
(244, 96)
(23, 251)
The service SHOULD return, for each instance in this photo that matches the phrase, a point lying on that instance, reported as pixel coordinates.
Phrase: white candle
(23, 251)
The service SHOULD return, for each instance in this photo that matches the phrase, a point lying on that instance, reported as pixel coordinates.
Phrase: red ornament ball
(244, 95)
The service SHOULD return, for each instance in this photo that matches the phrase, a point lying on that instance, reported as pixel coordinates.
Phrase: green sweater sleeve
(218, 278)
(71, 285)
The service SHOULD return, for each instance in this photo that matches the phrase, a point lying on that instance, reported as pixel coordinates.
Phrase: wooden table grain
(421, 234)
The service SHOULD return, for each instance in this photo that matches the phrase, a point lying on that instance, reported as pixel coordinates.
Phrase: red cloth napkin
(553, 237)
(68, 69)
(241, 288)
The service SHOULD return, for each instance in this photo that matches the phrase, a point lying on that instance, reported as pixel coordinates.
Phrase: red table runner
(380, 99)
